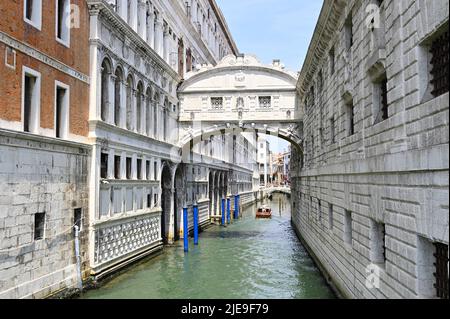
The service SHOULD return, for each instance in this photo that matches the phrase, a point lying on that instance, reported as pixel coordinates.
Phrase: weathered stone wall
(393, 172)
(40, 175)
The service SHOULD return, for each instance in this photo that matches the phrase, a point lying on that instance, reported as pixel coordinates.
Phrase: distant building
(263, 160)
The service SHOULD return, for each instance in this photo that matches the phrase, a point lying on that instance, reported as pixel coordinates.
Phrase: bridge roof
(241, 73)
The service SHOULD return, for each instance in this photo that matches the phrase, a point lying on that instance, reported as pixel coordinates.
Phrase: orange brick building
(44, 156)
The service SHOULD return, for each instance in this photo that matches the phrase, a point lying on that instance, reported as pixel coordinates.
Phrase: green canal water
(249, 259)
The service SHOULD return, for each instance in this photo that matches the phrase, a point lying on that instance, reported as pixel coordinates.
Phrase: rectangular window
(104, 165)
(155, 200)
(440, 67)
(117, 160)
(441, 273)
(377, 242)
(78, 218)
(61, 110)
(155, 170)
(380, 100)
(62, 21)
(350, 110)
(348, 228)
(33, 13)
(332, 130)
(31, 100)
(265, 101)
(320, 210)
(330, 216)
(139, 168)
(348, 30)
(332, 61)
(217, 103)
(128, 164)
(39, 226)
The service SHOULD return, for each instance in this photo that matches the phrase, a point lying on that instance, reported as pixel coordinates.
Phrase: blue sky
(273, 29)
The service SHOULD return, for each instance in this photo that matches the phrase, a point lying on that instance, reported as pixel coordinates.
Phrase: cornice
(326, 27)
(224, 25)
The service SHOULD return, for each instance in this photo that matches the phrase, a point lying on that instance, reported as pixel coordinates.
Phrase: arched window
(129, 109)
(148, 101)
(118, 82)
(139, 98)
(106, 78)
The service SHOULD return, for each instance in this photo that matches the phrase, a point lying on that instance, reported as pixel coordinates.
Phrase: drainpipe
(78, 258)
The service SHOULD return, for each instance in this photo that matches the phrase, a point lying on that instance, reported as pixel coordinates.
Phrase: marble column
(166, 36)
(123, 105)
(133, 14)
(142, 19)
(111, 97)
(157, 45)
(151, 28)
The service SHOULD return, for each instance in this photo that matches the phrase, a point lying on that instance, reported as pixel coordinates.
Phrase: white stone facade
(371, 191)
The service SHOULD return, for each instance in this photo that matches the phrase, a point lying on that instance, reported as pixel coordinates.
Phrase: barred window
(441, 274)
(217, 103)
(265, 101)
(439, 60)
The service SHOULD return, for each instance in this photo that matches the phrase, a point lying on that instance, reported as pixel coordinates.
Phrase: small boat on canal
(264, 212)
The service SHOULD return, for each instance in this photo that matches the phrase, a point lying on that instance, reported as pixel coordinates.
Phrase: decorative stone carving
(114, 241)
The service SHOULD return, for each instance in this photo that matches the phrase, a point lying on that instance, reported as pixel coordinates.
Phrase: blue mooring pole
(195, 224)
(228, 210)
(185, 229)
(223, 211)
(236, 207)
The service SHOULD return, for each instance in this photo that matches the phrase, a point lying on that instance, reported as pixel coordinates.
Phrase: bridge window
(348, 29)
(265, 101)
(39, 226)
(217, 103)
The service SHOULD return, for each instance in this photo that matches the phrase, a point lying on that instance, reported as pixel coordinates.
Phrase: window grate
(439, 61)
(441, 274)
(384, 100)
(217, 103)
(265, 101)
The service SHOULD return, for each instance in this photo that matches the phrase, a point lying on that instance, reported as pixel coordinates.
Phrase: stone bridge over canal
(239, 95)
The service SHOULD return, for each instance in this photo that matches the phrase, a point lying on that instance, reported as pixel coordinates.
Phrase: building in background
(371, 187)
(44, 155)
(280, 163)
(264, 162)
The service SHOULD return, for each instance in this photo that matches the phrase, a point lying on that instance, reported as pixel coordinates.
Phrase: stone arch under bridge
(240, 95)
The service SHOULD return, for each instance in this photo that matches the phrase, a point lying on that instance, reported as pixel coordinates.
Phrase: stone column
(157, 36)
(133, 14)
(166, 43)
(171, 233)
(123, 105)
(133, 110)
(111, 98)
(143, 114)
(142, 19)
(122, 9)
(151, 28)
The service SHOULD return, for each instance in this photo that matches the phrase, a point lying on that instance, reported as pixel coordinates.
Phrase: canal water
(249, 259)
